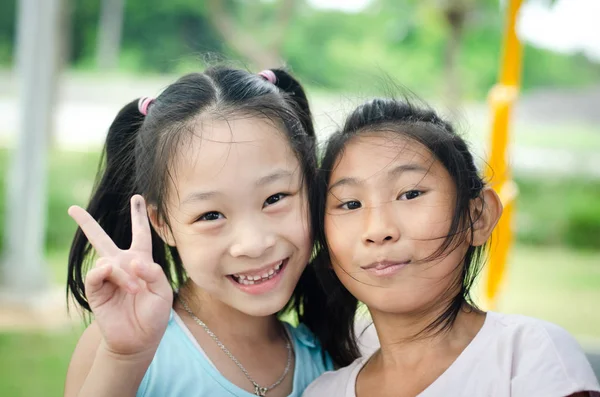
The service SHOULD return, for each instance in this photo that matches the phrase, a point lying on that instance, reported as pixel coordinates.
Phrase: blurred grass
(555, 284)
(558, 211)
(35, 364)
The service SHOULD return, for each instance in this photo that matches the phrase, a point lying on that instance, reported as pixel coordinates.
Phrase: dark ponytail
(110, 198)
(287, 83)
(109, 203)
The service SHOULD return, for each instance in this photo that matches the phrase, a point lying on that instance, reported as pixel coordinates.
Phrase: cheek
(338, 238)
(199, 257)
(199, 253)
(429, 223)
(295, 226)
(191, 240)
(301, 235)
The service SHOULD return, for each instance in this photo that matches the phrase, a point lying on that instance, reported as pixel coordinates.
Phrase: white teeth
(250, 280)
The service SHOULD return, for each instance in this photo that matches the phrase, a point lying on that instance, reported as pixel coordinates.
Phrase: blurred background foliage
(410, 40)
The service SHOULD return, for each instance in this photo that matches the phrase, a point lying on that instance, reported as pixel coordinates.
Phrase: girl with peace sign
(197, 237)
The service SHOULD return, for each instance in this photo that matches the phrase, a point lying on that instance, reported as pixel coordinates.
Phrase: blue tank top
(181, 369)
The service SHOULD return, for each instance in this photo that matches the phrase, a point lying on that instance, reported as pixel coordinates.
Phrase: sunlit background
(100, 54)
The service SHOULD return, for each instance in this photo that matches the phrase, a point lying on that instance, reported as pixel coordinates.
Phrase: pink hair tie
(143, 104)
(269, 76)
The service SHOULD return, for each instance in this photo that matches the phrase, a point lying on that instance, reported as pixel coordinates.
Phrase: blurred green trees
(408, 40)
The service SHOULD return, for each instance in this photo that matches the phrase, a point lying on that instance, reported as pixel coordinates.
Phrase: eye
(351, 205)
(410, 195)
(274, 199)
(211, 216)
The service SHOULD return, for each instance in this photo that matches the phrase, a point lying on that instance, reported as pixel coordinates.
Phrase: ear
(159, 226)
(485, 212)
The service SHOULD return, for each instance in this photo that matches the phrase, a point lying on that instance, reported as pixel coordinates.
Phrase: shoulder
(543, 356)
(308, 348)
(336, 383)
(304, 339)
(302, 334)
(533, 334)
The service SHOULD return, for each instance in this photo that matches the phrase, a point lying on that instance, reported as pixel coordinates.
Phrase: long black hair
(422, 125)
(139, 150)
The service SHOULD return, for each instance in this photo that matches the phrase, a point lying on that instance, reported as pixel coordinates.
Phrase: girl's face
(239, 214)
(389, 208)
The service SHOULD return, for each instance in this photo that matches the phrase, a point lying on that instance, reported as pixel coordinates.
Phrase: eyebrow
(393, 173)
(265, 180)
(272, 177)
(200, 196)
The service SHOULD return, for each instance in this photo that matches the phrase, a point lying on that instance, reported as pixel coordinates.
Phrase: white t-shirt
(511, 356)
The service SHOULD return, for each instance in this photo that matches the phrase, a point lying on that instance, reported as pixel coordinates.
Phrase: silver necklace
(258, 390)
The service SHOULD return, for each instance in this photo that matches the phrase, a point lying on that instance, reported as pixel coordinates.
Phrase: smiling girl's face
(239, 214)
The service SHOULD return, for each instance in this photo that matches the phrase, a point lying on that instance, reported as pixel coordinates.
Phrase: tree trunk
(261, 55)
(455, 15)
(109, 34)
(286, 10)
(38, 29)
(66, 33)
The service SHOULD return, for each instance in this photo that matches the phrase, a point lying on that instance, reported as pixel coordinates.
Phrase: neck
(223, 319)
(406, 339)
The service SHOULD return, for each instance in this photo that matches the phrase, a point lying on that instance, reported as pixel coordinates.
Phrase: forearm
(114, 375)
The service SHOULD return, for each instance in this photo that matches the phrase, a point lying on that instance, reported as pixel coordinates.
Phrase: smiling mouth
(251, 278)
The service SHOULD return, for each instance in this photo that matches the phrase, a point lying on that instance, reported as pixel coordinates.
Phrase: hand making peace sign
(128, 293)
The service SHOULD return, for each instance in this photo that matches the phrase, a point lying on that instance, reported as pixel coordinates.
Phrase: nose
(381, 226)
(251, 240)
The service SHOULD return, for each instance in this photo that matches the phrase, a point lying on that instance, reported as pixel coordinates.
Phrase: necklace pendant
(260, 391)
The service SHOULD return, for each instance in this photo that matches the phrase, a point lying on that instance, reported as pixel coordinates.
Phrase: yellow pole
(501, 99)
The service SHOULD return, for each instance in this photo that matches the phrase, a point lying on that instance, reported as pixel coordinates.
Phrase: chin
(390, 303)
(264, 309)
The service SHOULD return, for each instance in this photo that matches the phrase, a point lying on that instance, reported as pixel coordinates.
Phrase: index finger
(141, 238)
(101, 242)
